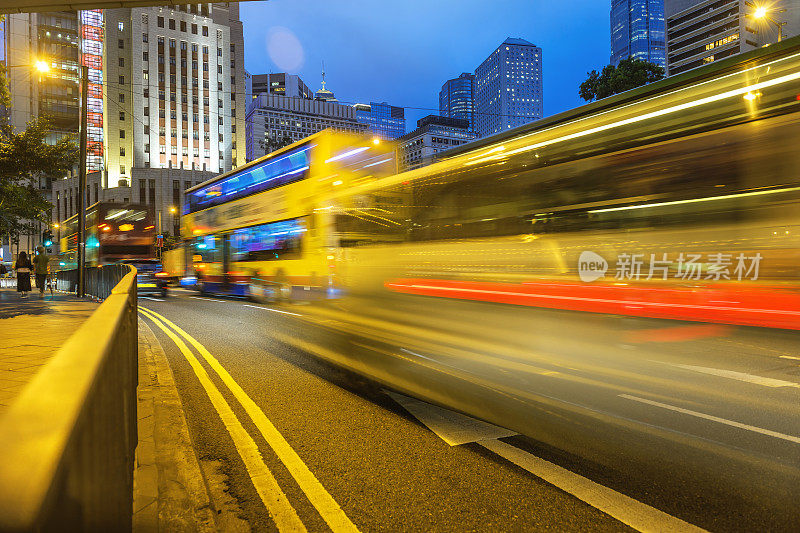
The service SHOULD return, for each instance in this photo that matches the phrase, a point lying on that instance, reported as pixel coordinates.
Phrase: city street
(662, 425)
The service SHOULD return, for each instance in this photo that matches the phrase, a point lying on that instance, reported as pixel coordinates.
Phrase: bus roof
(690, 77)
(255, 162)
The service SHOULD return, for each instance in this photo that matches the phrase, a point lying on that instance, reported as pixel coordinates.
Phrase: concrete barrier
(67, 443)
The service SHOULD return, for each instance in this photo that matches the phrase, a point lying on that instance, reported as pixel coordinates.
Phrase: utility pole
(82, 181)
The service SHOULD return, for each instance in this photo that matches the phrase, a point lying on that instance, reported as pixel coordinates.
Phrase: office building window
(121, 43)
(121, 134)
(172, 24)
(122, 115)
(160, 22)
(152, 188)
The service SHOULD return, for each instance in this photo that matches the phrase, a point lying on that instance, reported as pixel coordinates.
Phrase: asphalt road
(700, 422)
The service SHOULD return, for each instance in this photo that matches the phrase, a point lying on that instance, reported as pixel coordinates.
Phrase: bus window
(268, 242)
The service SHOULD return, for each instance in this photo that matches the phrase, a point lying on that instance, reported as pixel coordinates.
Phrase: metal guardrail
(99, 281)
(67, 442)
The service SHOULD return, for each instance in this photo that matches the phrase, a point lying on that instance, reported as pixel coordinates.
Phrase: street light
(173, 209)
(762, 13)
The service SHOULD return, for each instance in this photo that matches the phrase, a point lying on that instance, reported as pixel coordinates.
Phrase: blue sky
(402, 51)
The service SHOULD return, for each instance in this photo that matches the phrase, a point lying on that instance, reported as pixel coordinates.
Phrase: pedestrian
(23, 267)
(40, 265)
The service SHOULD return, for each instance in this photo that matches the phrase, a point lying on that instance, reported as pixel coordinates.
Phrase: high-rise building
(272, 119)
(509, 87)
(457, 98)
(282, 84)
(173, 107)
(63, 40)
(637, 30)
(434, 134)
(385, 121)
(54, 38)
(703, 31)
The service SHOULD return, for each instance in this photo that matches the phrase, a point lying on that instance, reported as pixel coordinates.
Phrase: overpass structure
(26, 6)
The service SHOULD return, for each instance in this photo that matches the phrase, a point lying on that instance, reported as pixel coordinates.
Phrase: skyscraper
(509, 87)
(637, 30)
(704, 31)
(170, 100)
(457, 98)
(384, 120)
(53, 38)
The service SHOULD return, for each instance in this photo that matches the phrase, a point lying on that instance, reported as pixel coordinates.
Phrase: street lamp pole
(82, 181)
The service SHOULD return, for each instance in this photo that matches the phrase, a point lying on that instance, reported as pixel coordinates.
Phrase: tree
(25, 158)
(270, 144)
(629, 74)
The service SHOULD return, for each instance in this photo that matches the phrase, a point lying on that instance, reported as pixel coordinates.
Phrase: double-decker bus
(114, 232)
(259, 230)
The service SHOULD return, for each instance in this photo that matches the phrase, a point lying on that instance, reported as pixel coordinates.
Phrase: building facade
(637, 30)
(385, 121)
(457, 98)
(282, 84)
(53, 38)
(175, 89)
(509, 87)
(173, 107)
(271, 119)
(434, 134)
(703, 31)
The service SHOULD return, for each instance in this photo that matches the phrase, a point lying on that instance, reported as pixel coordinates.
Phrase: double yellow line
(274, 499)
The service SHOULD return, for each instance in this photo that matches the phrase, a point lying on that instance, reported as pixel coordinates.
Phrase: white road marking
(207, 299)
(149, 298)
(320, 498)
(273, 310)
(631, 512)
(266, 486)
(768, 432)
(452, 427)
(740, 376)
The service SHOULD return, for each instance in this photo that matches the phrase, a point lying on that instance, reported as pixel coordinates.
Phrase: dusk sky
(402, 52)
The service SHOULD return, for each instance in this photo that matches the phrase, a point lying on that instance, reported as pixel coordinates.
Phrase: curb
(170, 492)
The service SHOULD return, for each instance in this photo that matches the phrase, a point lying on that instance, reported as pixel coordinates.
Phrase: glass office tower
(384, 120)
(457, 98)
(637, 29)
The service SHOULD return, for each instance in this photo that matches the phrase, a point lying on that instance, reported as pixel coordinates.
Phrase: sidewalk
(31, 332)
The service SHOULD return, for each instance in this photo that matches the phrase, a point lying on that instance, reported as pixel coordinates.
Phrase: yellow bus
(259, 231)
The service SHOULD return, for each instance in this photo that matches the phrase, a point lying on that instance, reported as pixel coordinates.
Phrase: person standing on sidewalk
(40, 265)
(23, 267)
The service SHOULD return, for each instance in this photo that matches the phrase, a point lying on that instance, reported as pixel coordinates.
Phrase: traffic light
(47, 238)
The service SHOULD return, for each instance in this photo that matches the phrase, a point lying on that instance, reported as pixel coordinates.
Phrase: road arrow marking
(455, 428)
(452, 427)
